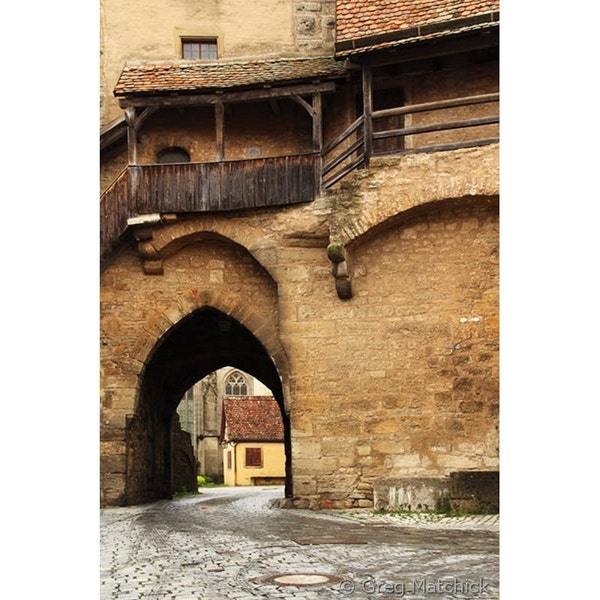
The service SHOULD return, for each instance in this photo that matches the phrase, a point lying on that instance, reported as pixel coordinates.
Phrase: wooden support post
(317, 115)
(131, 135)
(367, 84)
(219, 128)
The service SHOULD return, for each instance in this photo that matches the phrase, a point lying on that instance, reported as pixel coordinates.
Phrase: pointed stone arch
(141, 314)
(202, 341)
(244, 314)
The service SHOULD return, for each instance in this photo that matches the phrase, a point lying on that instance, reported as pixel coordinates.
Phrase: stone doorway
(199, 344)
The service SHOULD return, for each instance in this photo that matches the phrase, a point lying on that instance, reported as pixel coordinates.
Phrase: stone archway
(202, 342)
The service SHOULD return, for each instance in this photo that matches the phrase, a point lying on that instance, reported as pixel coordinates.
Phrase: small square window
(199, 49)
(254, 457)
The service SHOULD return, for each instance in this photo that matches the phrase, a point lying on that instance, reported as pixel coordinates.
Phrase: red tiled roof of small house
(252, 418)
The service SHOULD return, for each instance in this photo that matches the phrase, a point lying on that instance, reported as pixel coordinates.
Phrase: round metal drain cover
(298, 579)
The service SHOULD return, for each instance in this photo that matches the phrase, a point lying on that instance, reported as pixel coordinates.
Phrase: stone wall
(475, 492)
(267, 28)
(246, 136)
(183, 460)
(401, 380)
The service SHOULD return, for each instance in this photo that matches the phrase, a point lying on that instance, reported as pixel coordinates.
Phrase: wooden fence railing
(204, 187)
(353, 147)
(346, 151)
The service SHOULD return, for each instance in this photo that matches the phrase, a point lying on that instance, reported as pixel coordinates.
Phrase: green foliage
(207, 481)
(183, 492)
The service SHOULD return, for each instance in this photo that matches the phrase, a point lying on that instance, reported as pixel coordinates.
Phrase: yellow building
(252, 441)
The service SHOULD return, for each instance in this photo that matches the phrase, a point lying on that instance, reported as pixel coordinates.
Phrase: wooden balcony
(293, 179)
(205, 187)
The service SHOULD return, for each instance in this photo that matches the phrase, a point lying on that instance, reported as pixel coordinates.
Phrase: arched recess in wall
(204, 341)
(432, 273)
(173, 155)
(423, 211)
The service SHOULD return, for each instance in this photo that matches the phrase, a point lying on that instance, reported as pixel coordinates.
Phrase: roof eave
(415, 34)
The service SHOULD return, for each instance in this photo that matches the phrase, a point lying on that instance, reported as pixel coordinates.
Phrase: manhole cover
(298, 579)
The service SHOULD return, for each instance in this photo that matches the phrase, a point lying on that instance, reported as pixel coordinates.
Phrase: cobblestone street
(231, 543)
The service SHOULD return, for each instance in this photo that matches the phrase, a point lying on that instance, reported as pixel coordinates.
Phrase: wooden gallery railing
(205, 187)
(353, 147)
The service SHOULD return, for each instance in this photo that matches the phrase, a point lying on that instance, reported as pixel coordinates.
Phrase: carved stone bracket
(341, 270)
(143, 232)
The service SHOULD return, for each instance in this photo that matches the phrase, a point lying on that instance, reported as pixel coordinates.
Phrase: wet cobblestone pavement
(231, 543)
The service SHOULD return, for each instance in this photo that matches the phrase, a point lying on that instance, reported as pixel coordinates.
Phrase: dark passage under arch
(199, 344)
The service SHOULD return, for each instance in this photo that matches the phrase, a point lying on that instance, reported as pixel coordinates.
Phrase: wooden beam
(195, 99)
(367, 84)
(429, 49)
(342, 136)
(492, 120)
(304, 104)
(274, 106)
(438, 105)
(219, 129)
(444, 28)
(317, 116)
(131, 135)
(144, 115)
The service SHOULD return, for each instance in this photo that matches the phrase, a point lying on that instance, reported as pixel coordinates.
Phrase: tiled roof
(374, 24)
(252, 418)
(207, 76)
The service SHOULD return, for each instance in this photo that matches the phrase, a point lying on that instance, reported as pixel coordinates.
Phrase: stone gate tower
(308, 192)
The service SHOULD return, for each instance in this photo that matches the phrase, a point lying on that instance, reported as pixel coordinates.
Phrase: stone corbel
(341, 270)
(143, 232)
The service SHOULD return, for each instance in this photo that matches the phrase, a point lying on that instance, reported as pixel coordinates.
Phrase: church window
(236, 385)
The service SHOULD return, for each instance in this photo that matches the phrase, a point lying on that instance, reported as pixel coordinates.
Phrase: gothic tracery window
(236, 385)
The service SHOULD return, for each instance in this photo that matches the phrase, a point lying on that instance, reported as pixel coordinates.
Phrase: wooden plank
(417, 129)
(446, 147)
(202, 187)
(219, 130)
(438, 105)
(317, 122)
(489, 38)
(360, 161)
(341, 157)
(131, 136)
(367, 78)
(342, 136)
(199, 98)
(206, 186)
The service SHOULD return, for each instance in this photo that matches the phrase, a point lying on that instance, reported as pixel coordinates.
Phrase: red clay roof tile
(360, 22)
(252, 418)
(206, 76)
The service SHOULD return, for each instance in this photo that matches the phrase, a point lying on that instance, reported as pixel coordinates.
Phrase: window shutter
(253, 457)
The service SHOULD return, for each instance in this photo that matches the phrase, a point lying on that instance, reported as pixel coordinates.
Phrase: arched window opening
(172, 155)
(236, 385)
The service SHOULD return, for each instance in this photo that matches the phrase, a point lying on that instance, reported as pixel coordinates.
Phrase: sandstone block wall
(267, 28)
(401, 380)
